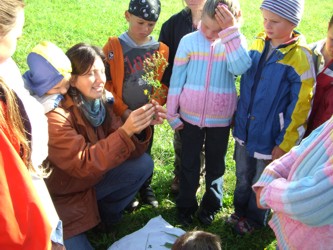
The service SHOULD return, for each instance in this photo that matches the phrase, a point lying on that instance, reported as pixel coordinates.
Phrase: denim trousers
(216, 144)
(78, 242)
(114, 192)
(248, 171)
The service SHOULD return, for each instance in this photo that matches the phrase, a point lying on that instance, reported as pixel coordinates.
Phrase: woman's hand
(160, 113)
(224, 17)
(139, 119)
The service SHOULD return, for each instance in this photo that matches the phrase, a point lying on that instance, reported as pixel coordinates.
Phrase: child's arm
(238, 59)
(295, 115)
(305, 198)
(114, 69)
(177, 82)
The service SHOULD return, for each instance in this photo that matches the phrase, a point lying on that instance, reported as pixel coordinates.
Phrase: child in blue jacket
(274, 103)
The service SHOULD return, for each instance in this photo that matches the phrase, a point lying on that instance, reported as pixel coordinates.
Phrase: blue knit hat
(48, 65)
(291, 10)
(148, 10)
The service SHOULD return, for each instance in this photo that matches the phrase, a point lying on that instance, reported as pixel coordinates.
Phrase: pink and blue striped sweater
(202, 88)
(299, 188)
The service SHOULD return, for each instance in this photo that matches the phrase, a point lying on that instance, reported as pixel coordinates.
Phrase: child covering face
(201, 102)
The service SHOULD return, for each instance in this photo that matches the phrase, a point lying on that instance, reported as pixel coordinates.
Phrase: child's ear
(238, 14)
(127, 15)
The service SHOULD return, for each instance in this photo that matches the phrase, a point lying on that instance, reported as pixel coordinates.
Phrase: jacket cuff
(228, 34)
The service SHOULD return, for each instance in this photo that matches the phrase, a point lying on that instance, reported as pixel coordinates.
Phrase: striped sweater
(202, 88)
(299, 188)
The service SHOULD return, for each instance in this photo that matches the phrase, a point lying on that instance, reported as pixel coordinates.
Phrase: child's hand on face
(224, 17)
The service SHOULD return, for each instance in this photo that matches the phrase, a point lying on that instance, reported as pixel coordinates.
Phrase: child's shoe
(245, 226)
(233, 219)
(132, 206)
(185, 215)
(148, 197)
(205, 217)
(175, 185)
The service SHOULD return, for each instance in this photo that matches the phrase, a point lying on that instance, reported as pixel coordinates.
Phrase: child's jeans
(216, 144)
(248, 171)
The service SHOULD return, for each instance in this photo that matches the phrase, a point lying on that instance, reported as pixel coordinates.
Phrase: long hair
(8, 14)
(330, 22)
(10, 121)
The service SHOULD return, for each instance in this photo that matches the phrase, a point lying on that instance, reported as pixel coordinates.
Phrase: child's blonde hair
(8, 14)
(197, 240)
(211, 5)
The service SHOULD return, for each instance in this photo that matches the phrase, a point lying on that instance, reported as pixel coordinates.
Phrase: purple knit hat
(148, 10)
(291, 10)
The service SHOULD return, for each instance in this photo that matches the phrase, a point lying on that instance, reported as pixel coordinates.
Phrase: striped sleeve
(177, 82)
(238, 58)
(300, 184)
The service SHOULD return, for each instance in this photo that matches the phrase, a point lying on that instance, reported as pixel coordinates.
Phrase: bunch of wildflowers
(151, 67)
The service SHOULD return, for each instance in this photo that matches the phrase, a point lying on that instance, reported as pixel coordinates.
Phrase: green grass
(67, 22)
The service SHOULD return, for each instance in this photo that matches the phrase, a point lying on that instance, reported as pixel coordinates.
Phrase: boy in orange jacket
(125, 56)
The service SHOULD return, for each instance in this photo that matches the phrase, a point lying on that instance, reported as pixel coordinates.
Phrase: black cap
(148, 10)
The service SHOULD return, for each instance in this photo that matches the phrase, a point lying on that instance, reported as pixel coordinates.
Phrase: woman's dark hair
(331, 22)
(83, 56)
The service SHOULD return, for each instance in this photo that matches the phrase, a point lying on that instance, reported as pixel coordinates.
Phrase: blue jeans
(120, 185)
(248, 171)
(114, 192)
(78, 242)
(216, 144)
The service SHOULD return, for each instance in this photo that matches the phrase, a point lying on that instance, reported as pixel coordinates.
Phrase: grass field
(67, 22)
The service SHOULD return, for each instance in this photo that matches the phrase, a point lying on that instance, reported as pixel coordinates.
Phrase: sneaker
(185, 215)
(233, 219)
(175, 185)
(148, 197)
(245, 227)
(205, 217)
(132, 206)
(185, 219)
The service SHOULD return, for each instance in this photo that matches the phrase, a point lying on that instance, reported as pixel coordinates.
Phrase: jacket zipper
(211, 50)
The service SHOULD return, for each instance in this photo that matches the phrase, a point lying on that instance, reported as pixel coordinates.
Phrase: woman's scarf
(93, 110)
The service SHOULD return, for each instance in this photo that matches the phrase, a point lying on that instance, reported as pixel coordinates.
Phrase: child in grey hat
(274, 103)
